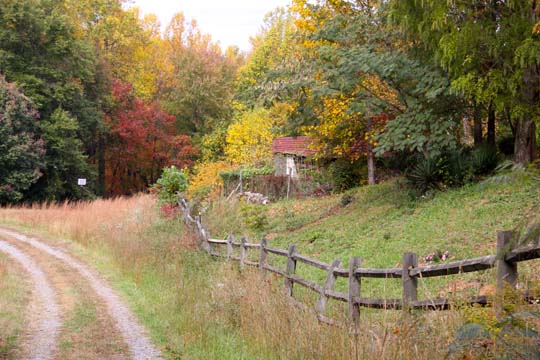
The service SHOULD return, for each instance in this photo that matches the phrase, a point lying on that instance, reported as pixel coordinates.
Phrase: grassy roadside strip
(167, 284)
(14, 297)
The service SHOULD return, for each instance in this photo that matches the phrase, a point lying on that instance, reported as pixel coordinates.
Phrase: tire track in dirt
(133, 333)
(88, 332)
(45, 320)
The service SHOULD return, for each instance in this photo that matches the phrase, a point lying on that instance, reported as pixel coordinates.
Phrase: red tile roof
(293, 145)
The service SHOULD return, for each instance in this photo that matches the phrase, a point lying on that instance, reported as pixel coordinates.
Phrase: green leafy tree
(200, 92)
(360, 58)
(490, 49)
(21, 149)
(41, 52)
(65, 159)
(171, 182)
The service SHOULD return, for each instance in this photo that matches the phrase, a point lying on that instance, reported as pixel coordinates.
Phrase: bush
(454, 168)
(171, 182)
(343, 174)
(396, 160)
(426, 174)
(458, 168)
(254, 216)
(345, 200)
(484, 159)
(247, 173)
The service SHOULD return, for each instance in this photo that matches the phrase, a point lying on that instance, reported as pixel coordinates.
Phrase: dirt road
(74, 313)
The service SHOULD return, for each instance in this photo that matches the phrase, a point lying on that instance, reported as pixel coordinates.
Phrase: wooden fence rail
(505, 261)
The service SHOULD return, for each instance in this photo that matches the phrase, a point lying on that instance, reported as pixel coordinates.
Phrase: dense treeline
(98, 92)
(102, 94)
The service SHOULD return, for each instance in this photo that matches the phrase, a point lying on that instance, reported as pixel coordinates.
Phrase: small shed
(291, 154)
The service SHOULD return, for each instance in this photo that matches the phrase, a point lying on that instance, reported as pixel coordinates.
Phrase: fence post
(243, 242)
(506, 272)
(410, 283)
(206, 244)
(354, 290)
(230, 249)
(185, 205)
(290, 270)
(328, 285)
(263, 256)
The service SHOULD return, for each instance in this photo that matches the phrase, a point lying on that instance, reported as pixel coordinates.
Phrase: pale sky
(231, 22)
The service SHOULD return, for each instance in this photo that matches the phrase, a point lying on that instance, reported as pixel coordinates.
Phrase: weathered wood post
(198, 225)
(230, 249)
(263, 256)
(410, 283)
(206, 244)
(506, 271)
(328, 285)
(290, 269)
(185, 205)
(243, 242)
(354, 290)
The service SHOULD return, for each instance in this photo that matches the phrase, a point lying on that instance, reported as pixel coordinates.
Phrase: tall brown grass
(116, 224)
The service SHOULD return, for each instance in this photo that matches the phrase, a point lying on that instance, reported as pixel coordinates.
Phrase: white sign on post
(81, 182)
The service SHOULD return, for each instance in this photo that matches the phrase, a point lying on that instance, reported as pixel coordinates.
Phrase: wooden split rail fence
(505, 261)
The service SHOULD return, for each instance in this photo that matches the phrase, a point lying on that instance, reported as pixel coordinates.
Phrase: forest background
(89, 89)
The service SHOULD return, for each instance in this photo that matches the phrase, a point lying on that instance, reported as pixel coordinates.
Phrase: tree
(142, 141)
(65, 159)
(249, 139)
(273, 47)
(491, 51)
(41, 52)
(365, 93)
(201, 88)
(21, 149)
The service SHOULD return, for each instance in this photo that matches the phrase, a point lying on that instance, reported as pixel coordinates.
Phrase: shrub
(458, 168)
(344, 174)
(484, 159)
(254, 216)
(346, 199)
(426, 174)
(171, 182)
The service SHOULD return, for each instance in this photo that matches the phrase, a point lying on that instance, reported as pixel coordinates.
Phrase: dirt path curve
(45, 314)
(133, 333)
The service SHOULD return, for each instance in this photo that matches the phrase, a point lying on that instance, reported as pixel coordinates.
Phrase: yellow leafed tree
(249, 139)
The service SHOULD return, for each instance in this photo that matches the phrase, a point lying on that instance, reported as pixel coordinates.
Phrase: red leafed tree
(142, 141)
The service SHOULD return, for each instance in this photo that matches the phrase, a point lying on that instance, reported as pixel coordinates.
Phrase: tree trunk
(477, 127)
(101, 165)
(491, 125)
(370, 156)
(467, 136)
(371, 166)
(525, 143)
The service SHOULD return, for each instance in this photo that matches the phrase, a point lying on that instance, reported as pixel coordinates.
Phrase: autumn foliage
(141, 142)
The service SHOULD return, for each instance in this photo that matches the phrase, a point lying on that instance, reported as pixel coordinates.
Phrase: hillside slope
(382, 222)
